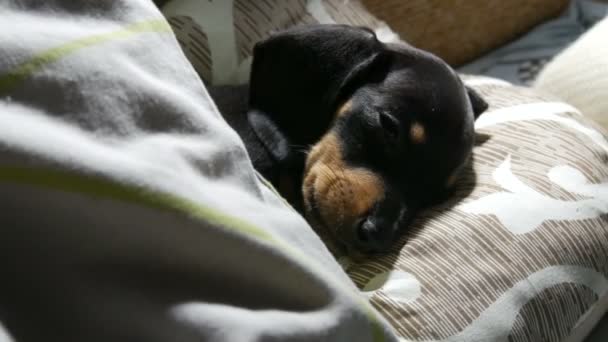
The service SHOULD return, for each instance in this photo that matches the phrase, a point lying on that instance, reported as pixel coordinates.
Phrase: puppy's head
(401, 129)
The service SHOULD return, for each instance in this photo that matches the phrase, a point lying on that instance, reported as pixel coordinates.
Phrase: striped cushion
(521, 253)
(218, 36)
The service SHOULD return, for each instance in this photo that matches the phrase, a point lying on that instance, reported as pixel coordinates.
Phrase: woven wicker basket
(460, 30)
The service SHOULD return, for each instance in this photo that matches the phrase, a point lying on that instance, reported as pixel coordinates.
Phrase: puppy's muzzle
(351, 203)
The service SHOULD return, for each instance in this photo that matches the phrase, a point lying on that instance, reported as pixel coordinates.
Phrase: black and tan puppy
(370, 132)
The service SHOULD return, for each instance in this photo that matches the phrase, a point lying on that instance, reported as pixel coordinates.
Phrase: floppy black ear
(368, 70)
(297, 74)
(477, 102)
(270, 135)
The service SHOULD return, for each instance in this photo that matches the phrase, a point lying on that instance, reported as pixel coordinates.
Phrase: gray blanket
(130, 210)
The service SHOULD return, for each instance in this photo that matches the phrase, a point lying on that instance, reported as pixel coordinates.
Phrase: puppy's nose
(375, 235)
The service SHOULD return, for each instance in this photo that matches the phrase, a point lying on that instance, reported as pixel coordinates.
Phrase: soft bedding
(130, 210)
(520, 254)
(579, 74)
(521, 251)
(521, 60)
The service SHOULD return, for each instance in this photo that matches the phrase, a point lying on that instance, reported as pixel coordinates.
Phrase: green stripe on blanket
(99, 187)
(39, 61)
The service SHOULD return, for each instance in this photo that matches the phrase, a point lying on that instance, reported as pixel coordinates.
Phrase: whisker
(299, 148)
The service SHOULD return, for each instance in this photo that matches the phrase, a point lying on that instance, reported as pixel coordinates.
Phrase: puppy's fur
(369, 133)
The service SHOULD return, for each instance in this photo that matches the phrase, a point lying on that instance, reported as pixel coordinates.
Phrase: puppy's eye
(390, 126)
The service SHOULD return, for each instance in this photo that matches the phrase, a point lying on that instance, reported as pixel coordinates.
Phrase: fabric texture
(460, 31)
(130, 209)
(521, 252)
(579, 75)
(520, 61)
(522, 258)
(218, 36)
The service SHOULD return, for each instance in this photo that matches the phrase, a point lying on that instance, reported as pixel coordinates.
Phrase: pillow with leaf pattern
(521, 253)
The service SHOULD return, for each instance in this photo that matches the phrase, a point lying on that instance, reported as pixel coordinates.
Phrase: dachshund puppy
(370, 133)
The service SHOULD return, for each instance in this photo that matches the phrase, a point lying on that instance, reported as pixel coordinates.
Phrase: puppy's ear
(369, 70)
(270, 135)
(297, 74)
(477, 102)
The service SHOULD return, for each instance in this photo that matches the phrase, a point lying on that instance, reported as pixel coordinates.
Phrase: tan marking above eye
(345, 107)
(418, 133)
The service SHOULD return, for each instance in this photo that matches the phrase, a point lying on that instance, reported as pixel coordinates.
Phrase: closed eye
(390, 127)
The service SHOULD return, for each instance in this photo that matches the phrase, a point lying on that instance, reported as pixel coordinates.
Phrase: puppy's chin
(327, 230)
(339, 246)
(333, 230)
(334, 245)
(338, 236)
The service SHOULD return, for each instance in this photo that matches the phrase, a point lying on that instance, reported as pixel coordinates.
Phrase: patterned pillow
(521, 254)
(218, 36)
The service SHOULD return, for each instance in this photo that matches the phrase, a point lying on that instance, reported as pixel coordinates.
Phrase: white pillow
(579, 75)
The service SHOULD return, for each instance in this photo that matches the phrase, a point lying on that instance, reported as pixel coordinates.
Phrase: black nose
(375, 235)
